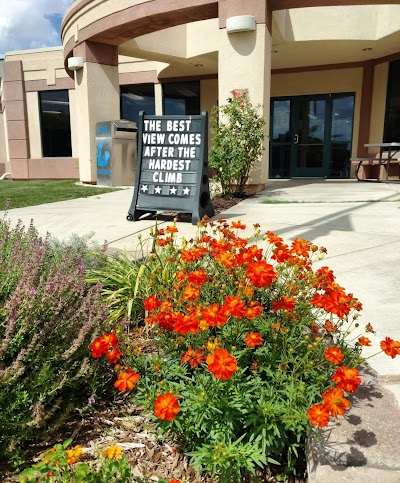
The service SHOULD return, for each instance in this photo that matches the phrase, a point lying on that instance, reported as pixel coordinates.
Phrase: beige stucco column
(244, 62)
(97, 99)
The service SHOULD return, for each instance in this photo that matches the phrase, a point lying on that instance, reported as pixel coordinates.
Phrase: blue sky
(30, 24)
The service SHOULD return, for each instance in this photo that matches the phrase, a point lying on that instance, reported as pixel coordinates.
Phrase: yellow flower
(74, 454)
(113, 452)
(212, 344)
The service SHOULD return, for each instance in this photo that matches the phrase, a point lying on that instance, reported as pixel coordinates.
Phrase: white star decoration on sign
(173, 190)
(145, 188)
(157, 190)
(186, 191)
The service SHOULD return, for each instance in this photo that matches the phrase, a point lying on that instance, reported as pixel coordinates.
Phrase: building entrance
(311, 136)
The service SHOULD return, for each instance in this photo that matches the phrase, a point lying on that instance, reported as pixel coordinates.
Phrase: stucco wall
(378, 103)
(3, 152)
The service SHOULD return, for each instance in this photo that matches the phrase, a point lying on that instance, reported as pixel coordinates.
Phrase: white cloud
(27, 24)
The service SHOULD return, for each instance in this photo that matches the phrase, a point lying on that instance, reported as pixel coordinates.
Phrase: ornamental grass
(245, 349)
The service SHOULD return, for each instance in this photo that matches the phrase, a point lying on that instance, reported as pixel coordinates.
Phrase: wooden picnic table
(387, 153)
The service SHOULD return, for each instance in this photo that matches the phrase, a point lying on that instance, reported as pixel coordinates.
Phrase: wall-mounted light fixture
(241, 23)
(75, 63)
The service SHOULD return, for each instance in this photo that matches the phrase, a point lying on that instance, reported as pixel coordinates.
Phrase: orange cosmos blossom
(171, 229)
(261, 274)
(273, 238)
(221, 364)
(191, 292)
(285, 303)
(193, 357)
(198, 277)
(126, 380)
(390, 347)
(335, 402)
(151, 303)
(253, 339)
(347, 378)
(254, 310)
(233, 307)
(334, 355)
(364, 341)
(187, 324)
(300, 247)
(213, 315)
(166, 406)
(238, 225)
(318, 415)
(281, 253)
(113, 355)
(193, 254)
(103, 344)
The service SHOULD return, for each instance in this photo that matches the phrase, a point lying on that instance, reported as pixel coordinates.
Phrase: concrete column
(244, 62)
(15, 120)
(158, 99)
(97, 98)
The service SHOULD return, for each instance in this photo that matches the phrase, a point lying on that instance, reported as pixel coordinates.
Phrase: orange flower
(329, 327)
(221, 364)
(253, 339)
(390, 347)
(261, 274)
(324, 278)
(194, 358)
(273, 238)
(171, 229)
(198, 277)
(318, 415)
(334, 401)
(113, 355)
(193, 254)
(334, 355)
(191, 292)
(101, 345)
(254, 310)
(213, 315)
(165, 320)
(166, 406)
(126, 380)
(281, 253)
(174, 480)
(233, 307)
(226, 259)
(300, 247)
(151, 303)
(185, 324)
(109, 340)
(98, 348)
(285, 303)
(238, 225)
(364, 341)
(347, 378)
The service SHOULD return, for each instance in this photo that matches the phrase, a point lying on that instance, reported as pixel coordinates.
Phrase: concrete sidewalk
(358, 223)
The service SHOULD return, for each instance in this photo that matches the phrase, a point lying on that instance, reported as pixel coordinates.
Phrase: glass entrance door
(306, 132)
(308, 156)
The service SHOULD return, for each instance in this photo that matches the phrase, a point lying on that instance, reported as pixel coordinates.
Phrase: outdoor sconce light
(241, 23)
(75, 63)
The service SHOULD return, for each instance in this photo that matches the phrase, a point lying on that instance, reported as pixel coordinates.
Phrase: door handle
(296, 139)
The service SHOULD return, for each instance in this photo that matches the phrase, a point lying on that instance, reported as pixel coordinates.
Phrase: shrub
(237, 133)
(245, 349)
(48, 316)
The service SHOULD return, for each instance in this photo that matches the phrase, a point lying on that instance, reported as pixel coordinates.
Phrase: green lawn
(30, 193)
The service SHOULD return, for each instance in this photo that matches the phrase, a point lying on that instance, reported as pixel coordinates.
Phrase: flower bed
(251, 347)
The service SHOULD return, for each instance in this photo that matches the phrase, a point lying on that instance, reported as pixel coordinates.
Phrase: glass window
(341, 135)
(392, 115)
(136, 98)
(181, 98)
(55, 123)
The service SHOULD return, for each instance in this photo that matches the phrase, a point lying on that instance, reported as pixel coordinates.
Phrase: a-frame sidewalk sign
(172, 166)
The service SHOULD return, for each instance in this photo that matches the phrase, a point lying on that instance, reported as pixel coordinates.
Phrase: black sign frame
(191, 196)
